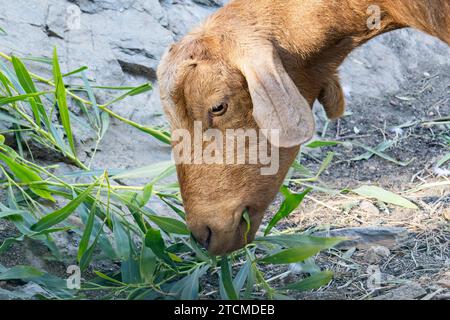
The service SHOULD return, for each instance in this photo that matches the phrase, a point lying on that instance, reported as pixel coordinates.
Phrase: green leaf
(177, 210)
(248, 225)
(121, 238)
(144, 198)
(8, 213)
(242, 276)
(28, 86)
(27, 175)
(188, 287)
(382, 155)
(147, 264)
(384, 196)
(326, 163)
(315, 281)
(93, 100)
(6, 83)
(227, 281)
(21, 97)
(8, 242)
(154, 241)
(170, 225)
(290, 203)
(151, 171)
(12, 120)
(87, 255)
(300, 248)
(20, 273)
(319, 144)
(60, 94)
(380, 148)
(135, 91)
(78, 70)
(301, 240)
(61, 214)
(443, 160)
(108, 278)
(161, 135)
(84, 242)
(292, 255)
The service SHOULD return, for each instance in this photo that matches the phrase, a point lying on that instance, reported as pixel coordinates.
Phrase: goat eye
(219, 110)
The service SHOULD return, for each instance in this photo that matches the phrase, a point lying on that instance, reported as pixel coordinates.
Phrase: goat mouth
(208, 239)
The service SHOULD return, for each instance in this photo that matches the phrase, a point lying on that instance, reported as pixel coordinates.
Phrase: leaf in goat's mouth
(246, 218)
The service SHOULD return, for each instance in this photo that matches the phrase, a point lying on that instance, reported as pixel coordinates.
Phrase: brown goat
(261, 64)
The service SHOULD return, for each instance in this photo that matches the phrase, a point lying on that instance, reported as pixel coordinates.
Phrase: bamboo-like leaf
(384, 196)
(146, 195)
(443, 160)
(25, 174)
(84, 242)
(191, 288)
(20, 273)
(326, 163)
(315, 281)
(87, 255)
(135, 91)
(169, 225)
(151, 171)
(290, 203)
(78, 70)
(121, 237)
(227, 281)
(154, 241)
(22, 97)
(319, 144)
(93, 100)
(292, 255)
(382, 155)
(301, 240)
(300, 248)
(28, 86)
(148, 264)
(63, 213)
(60, 94)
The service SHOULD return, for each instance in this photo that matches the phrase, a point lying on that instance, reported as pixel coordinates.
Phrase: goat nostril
(208, 238)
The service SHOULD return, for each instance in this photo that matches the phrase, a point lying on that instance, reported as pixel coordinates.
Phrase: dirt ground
(418, 265)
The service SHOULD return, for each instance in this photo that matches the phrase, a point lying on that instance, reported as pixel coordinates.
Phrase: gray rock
(375, 254)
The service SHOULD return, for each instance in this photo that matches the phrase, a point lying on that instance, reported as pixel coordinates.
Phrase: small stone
(409, 291)
(447, 214)
(445, 281)
(348, 146)
(369, 207)
(376, 253)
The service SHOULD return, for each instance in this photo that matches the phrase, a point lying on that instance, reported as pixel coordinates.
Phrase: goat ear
(277, 103)
(332, 98)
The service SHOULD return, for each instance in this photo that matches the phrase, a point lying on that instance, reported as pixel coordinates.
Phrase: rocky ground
(395, 86)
